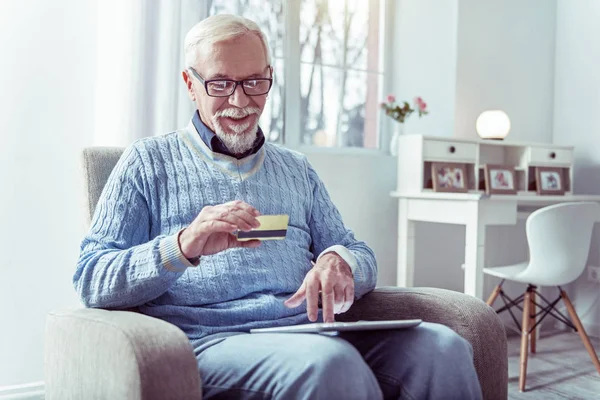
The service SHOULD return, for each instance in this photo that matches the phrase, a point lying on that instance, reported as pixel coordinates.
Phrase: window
(335, 47)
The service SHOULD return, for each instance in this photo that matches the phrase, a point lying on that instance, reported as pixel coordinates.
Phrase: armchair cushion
(468, 316)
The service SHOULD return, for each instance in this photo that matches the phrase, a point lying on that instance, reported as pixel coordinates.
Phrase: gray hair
(218, 28)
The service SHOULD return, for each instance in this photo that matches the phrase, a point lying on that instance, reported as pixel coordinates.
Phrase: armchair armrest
(100, 354)
(466, 315)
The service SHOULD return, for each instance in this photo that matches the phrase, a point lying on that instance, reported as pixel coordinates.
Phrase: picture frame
(550, 181)
(449, 177)
(500, 179)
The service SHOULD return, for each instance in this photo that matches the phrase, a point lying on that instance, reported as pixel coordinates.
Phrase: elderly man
(162, 240)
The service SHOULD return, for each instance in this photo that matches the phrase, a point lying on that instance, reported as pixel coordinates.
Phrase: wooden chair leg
(582, 334)
(532, 320)
(494, 295)
(525, 340)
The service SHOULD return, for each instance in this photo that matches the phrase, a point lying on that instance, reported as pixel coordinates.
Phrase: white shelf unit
(416, 153)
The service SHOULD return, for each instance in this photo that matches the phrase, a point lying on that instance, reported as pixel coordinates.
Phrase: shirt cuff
(342, 252)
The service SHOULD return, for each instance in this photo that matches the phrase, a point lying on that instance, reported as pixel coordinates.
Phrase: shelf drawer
(550, 156)
(441, 150)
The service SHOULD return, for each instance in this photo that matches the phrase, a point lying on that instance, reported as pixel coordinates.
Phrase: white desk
(474, 210)
(418, 202)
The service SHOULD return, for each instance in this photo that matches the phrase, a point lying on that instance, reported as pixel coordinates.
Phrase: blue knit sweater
(130, 257)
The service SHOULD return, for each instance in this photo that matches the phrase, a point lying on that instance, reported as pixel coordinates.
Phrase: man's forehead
(237, 58)
(223, 71)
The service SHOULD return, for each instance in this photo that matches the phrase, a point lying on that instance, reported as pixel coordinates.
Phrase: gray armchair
(101, 354)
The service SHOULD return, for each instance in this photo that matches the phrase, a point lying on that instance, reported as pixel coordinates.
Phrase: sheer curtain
(139, 89)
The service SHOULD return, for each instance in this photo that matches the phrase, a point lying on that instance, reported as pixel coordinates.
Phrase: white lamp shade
(493, 124)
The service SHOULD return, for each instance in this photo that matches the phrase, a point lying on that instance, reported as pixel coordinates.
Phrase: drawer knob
(452, 149)
(553, 155)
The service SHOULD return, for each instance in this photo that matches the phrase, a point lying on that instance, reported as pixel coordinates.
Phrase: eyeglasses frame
(205, 83)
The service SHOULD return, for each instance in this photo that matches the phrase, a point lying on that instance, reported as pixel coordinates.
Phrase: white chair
(559, 238)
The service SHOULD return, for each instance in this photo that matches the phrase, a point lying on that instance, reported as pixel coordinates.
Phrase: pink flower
(391, 98)
(421, 105)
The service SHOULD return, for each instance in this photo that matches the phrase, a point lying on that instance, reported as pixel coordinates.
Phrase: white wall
(506, 60)
(47, 87)
(424, 61)
(577, 120)
(359, 185)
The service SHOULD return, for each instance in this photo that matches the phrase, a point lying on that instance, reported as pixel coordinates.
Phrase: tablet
(319, 327)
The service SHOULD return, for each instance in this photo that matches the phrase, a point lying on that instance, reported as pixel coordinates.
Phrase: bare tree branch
(348, 17)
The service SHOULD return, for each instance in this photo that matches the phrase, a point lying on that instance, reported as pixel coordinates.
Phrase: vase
(398, 131)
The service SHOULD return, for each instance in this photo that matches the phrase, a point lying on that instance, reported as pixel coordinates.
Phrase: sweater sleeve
(327, 229)
(119, 266)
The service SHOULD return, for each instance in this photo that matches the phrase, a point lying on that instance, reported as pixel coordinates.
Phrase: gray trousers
(427, 362)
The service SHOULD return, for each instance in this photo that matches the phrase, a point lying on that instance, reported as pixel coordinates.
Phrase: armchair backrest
(98, 163)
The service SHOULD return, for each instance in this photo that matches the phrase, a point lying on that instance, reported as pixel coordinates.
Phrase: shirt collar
(215, 144)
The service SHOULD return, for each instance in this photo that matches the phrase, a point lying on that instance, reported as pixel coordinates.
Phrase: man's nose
(239, 98)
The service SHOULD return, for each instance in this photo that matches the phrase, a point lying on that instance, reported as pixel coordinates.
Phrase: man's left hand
(331, 276)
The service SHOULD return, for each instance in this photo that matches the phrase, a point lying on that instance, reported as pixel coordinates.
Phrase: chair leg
(532, 335)
(582, 334)
(525, 339)
(494, 295)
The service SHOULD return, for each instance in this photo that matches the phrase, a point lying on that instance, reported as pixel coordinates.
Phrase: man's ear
(188, 84)
(187, 79)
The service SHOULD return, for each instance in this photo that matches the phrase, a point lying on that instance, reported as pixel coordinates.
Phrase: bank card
(272, 227)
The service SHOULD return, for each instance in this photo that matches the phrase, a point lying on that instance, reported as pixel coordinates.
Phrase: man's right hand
(211, 231)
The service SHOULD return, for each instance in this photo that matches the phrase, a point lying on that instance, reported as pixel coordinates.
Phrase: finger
(297, 298)
(348, 298)
(241, 205)
(246, 212)
(214, 226)
(247, 217)
(327, 297)
(312, 299)
(241, 222)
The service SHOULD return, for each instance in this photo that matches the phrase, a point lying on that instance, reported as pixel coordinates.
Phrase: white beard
(243, 136)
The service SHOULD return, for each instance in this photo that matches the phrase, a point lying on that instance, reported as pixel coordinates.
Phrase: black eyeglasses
(226, 87)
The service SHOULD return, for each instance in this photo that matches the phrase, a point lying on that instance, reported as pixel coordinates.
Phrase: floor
(561, 369)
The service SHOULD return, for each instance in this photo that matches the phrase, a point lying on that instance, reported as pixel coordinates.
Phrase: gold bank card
(272, 227)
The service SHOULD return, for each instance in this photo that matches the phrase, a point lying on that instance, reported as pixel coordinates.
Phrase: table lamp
(493, 124)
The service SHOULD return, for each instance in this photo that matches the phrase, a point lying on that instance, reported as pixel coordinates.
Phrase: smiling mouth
(238, 119)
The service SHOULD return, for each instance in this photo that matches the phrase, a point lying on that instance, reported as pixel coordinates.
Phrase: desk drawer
(550, 156)
(441, 150)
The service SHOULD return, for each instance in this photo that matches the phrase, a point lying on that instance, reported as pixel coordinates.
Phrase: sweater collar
(241, 168)
(216, 145)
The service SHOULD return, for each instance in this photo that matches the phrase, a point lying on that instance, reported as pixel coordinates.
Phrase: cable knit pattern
(130, 257)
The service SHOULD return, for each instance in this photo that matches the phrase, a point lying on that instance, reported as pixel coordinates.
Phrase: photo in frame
(500, 179)
(449, 177)
(550, 181)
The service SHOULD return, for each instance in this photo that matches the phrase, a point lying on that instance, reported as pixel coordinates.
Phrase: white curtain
(139, 88)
